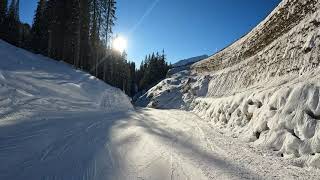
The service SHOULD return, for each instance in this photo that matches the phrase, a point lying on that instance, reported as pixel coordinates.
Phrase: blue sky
(183, 28)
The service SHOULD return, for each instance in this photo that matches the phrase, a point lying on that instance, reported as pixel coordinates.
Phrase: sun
(119, 44)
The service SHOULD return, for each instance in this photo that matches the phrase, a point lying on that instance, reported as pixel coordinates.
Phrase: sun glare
(119, 44)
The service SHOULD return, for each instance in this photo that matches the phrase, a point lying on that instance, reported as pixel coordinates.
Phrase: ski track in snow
(141, 144)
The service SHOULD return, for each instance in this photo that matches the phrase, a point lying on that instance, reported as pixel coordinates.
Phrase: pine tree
(39, 29)
(110, 19)
(12, 23)
(110, 6)
(102, 21)
(132, 87)
(25, 36)
(64, 30)
(71, 45)
(3, 11)
(56, 10)
(17, 10)
(84, 34)
(94, 35)
(152, 70)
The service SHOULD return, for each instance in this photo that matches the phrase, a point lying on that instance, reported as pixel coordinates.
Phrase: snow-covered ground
(264, 88)
(250, 118)
(57, 123)
(43, 103)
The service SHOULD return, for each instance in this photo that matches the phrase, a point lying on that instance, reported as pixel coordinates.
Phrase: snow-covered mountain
(189, 61)
(185, 64)
(263, 88)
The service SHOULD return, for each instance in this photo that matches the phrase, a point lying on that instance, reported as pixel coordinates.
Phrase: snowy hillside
(53, 119)
(264, 88)
(42, 82)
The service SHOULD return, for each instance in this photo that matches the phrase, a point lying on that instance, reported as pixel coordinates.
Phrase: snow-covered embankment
(263, 88)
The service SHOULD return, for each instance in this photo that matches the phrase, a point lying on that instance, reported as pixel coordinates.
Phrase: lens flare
(119, 44)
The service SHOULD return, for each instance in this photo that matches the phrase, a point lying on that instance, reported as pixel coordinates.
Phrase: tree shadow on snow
(58, 145)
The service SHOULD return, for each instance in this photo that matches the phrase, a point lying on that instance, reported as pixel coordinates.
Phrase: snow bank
(167, 94)
(263, 88)
(29, 78)
(284, 118)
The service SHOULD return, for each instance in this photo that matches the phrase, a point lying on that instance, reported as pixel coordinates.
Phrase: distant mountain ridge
(185, 64)
(190, 61)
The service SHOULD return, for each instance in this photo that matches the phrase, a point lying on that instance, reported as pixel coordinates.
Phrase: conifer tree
(152, 70)
(71, 45)
(12, 23)
(84, 34)
(3, 11)
(94, 35)
(110, 8)
(39, 30)
(110, 19)
(56, 10)
(3, 15)
(25, 36)
(17, 10)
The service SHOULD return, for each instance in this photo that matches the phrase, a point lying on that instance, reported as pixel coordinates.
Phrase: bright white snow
(26, 78)
(57, 123)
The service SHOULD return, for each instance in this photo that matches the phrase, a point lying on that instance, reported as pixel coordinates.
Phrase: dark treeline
(153, 69)
(79, 32)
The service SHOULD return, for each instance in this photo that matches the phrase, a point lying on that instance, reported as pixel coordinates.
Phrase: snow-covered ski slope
(57, 123)
(40, 99)
(263, 88)
(26, 78)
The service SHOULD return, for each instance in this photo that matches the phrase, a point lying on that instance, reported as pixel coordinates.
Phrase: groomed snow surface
(57, 123)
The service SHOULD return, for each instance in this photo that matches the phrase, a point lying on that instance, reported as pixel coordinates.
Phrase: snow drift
(264, 87)
(27, 78)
